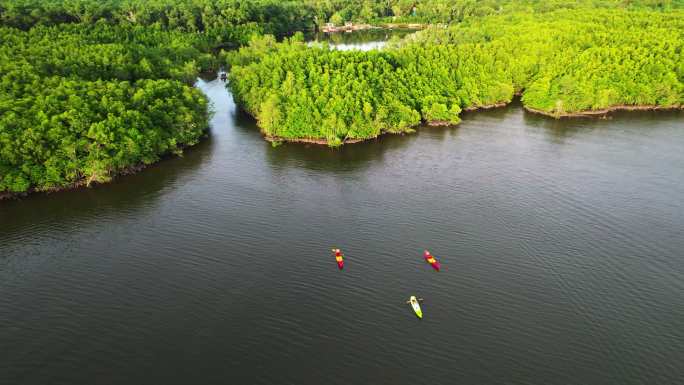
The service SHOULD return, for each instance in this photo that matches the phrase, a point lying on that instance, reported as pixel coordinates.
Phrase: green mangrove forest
(91, 89)
(95, 88)
(562, 62)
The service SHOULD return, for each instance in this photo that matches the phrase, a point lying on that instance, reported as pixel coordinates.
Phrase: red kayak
(339, 258)
(431, 260)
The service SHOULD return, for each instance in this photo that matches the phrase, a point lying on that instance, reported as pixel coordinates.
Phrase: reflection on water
(570, 127)
(24, 217)
(322, 158)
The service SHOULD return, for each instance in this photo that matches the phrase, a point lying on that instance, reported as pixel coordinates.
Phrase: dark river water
(561, 242)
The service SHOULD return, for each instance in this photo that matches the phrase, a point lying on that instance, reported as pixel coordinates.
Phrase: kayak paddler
(429, 257)
(338, 258)
(413, 301)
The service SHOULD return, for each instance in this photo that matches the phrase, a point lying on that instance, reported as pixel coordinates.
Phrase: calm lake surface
(561, 242)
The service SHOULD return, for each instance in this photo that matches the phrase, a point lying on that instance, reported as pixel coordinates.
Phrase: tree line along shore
(93, 89)
(568, 62)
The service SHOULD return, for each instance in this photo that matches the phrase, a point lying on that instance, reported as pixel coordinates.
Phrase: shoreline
(86, 182)
(486, 106)
(439, 123)
(277, 139)
(81, 183)
(324, 142)
(603, 111)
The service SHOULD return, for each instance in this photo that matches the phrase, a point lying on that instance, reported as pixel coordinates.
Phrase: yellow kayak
(416, 306)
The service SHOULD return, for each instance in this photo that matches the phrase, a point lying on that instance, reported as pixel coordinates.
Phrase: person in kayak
(416, 307)
(429, 257)
(339, 258)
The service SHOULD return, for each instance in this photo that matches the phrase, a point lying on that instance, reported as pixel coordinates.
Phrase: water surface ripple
(562, 245)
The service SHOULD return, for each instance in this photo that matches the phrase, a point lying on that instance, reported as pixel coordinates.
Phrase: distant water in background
(364, 40)
(561, 242)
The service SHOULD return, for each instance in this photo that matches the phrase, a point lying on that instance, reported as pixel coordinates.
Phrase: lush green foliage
(231, 20)
(296, 91)
(80, 103)
(105, 52)
(562, 61)
(454, 11)
(55, 131)
(568, 61)
(222, 20)
(91, 88)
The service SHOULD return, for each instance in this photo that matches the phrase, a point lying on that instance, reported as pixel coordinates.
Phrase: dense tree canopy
(562, 61)
(223, 20)
(454, 11)
(91, 88)
(577, 60)
(84, 103)
(66, 131)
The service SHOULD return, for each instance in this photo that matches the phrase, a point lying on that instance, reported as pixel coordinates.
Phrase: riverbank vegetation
(93, 88)
(572, 61)
(457, 11)
(562, 62)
